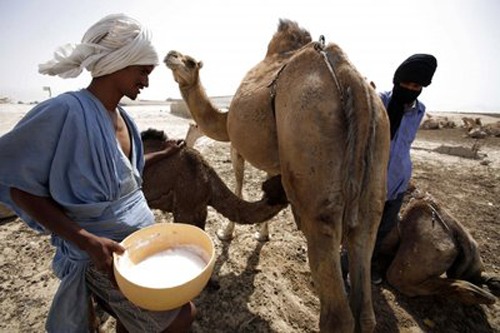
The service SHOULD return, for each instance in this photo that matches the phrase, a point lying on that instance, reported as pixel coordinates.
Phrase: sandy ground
(267, 287)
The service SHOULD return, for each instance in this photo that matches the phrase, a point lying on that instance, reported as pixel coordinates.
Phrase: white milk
(165, 269)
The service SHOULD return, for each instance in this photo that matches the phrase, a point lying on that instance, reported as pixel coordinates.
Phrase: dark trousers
(389, 220)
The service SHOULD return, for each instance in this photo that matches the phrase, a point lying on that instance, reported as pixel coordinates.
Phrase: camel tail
(359, 111)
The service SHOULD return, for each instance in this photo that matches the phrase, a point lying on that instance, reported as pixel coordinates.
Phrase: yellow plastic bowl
(151, 240)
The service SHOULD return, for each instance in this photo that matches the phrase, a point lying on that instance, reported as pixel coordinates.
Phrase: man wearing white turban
(72, 167)
(113, 43)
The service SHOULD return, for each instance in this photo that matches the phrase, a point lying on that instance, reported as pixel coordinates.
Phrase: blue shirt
(65, 148)
(400, 167)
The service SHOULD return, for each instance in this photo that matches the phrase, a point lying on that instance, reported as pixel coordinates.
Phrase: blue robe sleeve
(27, 152)
(64, 148)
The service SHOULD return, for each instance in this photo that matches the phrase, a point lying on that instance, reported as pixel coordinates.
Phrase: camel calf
(429, 242)
(185, 184)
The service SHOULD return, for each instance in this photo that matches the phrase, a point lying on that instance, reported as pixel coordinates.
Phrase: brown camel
(258, 122)
(306, 113)
(185, 184)
(428, 243)
(210, 120)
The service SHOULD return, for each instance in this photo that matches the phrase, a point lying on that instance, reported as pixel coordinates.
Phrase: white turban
(115, 42)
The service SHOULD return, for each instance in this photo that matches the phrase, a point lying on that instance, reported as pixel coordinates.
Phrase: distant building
(179, 108)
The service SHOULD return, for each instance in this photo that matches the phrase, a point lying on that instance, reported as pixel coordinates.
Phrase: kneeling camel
(431, 253)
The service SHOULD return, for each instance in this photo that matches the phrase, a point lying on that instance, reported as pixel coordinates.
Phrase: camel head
(184, 68)
(153, 140)
(289, 37)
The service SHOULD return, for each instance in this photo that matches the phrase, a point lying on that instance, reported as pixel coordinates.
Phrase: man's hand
(170, 147)
(173, 146)
(49, 214)
(101, 250)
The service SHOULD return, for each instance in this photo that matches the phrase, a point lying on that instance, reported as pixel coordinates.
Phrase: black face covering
(400, 97)
(403, 95)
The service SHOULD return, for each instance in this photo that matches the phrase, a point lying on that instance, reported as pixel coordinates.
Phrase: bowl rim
(208, 264)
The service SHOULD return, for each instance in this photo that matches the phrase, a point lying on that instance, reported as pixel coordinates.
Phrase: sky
(231, 37)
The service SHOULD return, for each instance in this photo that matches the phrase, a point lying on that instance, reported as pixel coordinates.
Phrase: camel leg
(193, 134)
(493, 283)
(323, 243)
(239, 171)
(360, 243)
(239, 168)
(262, 235)
(459, 290)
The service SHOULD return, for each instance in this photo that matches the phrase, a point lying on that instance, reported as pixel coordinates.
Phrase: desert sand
(267, 287)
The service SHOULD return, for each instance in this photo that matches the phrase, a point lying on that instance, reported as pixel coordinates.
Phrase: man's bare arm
(171, 147)
(50, 215)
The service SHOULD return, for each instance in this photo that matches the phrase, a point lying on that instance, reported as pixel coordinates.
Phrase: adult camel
(211, 122)
(257, 141)
(306, 113)
(431, 253)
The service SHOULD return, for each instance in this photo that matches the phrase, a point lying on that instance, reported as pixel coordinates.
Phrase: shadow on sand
(230, 298)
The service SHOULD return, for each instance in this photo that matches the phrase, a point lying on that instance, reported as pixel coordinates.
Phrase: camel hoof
(261, 237)
(223, 235)
(493, 284)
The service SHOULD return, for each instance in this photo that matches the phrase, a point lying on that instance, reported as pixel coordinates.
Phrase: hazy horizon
(221, 102)
(231, 37)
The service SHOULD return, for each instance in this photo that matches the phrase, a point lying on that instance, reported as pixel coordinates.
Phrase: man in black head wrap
(413, 74)
(405, 113)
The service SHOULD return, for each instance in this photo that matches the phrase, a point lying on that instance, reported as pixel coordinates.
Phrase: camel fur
(185, 184)
(306, 113)
(431, 253)
(257, 122)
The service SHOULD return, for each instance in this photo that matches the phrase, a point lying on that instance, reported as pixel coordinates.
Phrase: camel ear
(200, 64)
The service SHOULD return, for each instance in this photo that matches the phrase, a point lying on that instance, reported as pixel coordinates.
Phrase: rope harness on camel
(320, 47)
(435, 216)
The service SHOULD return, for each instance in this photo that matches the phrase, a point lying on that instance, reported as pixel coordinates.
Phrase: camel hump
(289, 37)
